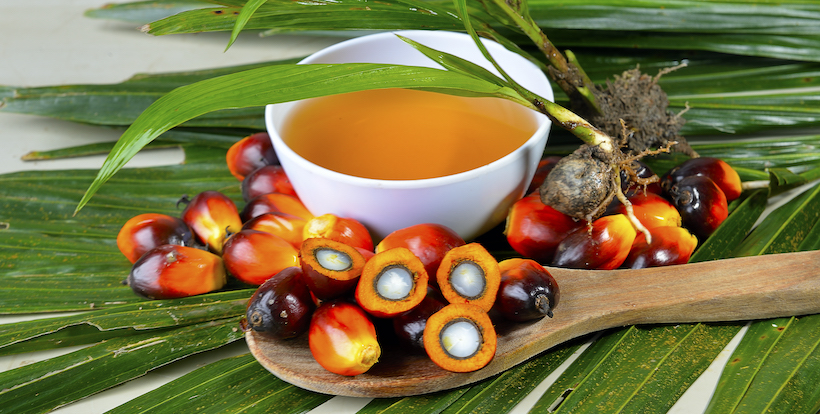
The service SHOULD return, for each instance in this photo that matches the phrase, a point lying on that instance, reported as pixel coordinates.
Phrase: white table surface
(50, 42)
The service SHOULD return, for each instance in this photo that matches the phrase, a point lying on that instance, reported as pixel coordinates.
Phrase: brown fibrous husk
(581, 184)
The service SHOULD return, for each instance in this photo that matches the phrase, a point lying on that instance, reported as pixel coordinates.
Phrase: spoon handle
(722, 290)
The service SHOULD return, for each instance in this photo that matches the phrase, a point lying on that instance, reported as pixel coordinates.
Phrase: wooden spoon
(746, 288)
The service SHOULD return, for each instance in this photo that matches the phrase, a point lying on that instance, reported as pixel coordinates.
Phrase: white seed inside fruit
(467, 279)
(333, 259)
(395, 283)
(461, 339)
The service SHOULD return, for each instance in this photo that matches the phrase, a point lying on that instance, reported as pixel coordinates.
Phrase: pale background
(46, 42)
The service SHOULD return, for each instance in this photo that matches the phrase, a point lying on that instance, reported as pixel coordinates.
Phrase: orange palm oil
(402, 134)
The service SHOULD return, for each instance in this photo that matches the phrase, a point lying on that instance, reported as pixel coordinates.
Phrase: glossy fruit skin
(652, 210)
(342, 338)
(428, 241)
(212, 216)
(605, 246)
(544, 167)
(264, 180)
(144, 232)
(701, 203)
(534, 229)
(527, 291)
(342, 229)
(282, 306)
(723, 175)
(409, 326)
(254, 256)
(249, 154)
(286, 226)
(170, 271)
(283, 203)
(670, 246)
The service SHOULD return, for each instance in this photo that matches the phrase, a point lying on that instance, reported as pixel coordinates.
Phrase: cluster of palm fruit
(683, 207)
(324, 275)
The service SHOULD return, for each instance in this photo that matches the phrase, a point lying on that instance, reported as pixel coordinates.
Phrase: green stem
(567, 74)
(573, 123)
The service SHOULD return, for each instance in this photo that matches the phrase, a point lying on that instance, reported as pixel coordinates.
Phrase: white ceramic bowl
(471, 202)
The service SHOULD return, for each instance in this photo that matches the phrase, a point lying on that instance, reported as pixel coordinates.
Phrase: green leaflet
(495, 395)
(741, 369)
(812, 240)
(51, 260)
(783, 379)
(142, 12)
(636, 369)
(247, 11)
(232, 385)
(427, 403)
(785, 228)
(140, 316)
(278, 16)
(502, 392)
(786, 30)
(39, 387)
(169, 139)
(120, 104)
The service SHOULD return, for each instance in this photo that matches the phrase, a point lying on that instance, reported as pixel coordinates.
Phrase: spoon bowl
(759, 287)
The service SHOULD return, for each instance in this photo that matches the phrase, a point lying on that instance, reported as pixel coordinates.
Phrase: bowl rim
(541, 133)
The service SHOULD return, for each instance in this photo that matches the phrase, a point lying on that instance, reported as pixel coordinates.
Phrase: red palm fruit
(213, 217)
(282, 306)
(254, 256)
(670, 246)
(701, 203)
(541, 172)
(651, 209)
(286, 226)
(428, 241)
(331, 269)
(715, 169)
(144, 232)
(641, 171)
(249, 154)
(603, 246)
(342, 229)
(534, 229)
(283, 203)
(342, 338)
(409, 326)
(170, 271)
(264, 180)
(527, 291)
